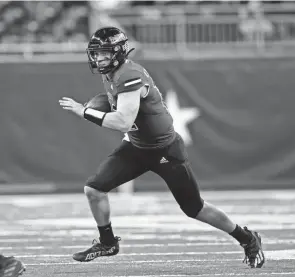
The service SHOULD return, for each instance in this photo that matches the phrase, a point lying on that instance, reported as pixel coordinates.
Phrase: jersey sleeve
(130, 81)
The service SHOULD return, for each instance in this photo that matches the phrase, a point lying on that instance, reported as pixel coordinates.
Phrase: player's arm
(127, 109)
(130, 88)
(123, 118)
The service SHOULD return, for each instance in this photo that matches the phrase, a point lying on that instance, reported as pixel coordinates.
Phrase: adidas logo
(93, 255)
(163, 160)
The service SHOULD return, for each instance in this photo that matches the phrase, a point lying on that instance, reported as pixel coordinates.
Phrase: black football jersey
(153, 126)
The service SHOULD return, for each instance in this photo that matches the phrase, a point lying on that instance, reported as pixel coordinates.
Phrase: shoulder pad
(130, 79)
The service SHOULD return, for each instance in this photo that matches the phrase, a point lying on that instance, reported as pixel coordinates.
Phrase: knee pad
(193, 209)
(96, 183)
(185, 189)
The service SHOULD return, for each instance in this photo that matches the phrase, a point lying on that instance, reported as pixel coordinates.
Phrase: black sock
(106, 234)
(241, 235)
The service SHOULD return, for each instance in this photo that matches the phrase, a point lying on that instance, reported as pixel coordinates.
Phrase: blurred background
(225, 68)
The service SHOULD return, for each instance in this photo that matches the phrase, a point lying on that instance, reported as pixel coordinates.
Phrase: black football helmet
(107, 39)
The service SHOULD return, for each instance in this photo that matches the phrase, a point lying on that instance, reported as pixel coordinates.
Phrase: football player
(10, 267)
(150, 144)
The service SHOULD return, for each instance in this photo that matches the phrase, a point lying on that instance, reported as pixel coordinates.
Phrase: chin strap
(129, 52)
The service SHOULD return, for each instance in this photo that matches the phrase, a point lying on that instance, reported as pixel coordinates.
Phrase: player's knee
(193, 210)
(93, 193)
(95, 186)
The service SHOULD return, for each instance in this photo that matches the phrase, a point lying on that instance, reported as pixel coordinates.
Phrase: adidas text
(93, 255)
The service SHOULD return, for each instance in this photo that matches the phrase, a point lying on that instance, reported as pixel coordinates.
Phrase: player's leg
(181, 181)
(11, 267)
(120, 167)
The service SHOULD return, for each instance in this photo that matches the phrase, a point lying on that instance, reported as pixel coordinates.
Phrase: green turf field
(157, 239)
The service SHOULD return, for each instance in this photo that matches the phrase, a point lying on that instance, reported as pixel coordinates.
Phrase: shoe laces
(94, 242)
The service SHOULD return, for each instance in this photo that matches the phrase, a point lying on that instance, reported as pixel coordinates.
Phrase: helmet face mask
(99, 65)
(107, 40)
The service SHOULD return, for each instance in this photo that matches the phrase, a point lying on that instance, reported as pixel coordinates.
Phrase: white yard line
(288, 254)
(141, 245)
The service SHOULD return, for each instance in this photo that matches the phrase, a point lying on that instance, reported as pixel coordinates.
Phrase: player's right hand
(72, 105)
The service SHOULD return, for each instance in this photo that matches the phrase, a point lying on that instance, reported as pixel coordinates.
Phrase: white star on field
(181, 116)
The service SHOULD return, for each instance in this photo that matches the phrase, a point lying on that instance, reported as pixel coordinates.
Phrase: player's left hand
(73, 106)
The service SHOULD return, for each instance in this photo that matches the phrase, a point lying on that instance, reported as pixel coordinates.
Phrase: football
(99, 102)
